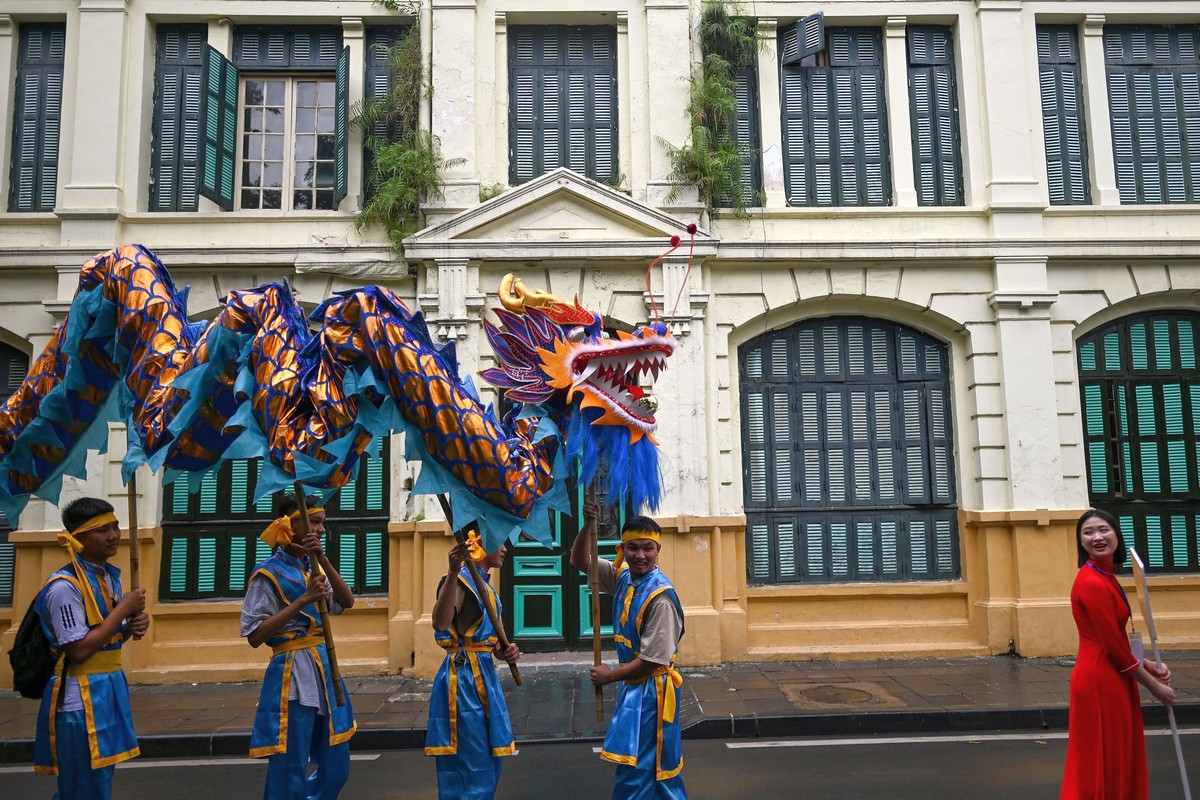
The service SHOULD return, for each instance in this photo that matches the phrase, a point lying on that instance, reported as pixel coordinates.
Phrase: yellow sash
(669, 699)
(302, 643)
(101, 662)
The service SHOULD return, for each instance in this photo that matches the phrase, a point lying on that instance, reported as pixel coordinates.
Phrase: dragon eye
(576, 334)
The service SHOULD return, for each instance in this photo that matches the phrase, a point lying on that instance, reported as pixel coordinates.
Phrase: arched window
(847, 453)
(1140, 393)
(13, 366)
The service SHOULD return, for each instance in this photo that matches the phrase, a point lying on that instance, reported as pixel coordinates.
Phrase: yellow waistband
(470, 648)
(100, 663)
(674, 677)
(302, 643)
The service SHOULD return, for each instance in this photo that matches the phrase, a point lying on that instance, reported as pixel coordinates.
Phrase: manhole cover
(837, 695)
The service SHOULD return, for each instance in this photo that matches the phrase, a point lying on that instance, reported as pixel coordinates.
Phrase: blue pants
(307, 742)
(473, 773)
(76, 778)
(638, 783)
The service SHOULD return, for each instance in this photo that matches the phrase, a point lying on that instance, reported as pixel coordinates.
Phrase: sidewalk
(770, 699)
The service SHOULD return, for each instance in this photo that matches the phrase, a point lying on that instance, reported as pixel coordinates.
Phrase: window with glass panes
(1154, 104)
(847, 454)
(287, 139)
(210, 538)
(834, 115)
(1140, 394)
(13, 366)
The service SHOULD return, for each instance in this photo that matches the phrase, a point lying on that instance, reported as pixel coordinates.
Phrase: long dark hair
(1119, 555)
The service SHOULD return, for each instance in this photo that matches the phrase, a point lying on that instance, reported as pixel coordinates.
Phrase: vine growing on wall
(406, 163)
(711, 160)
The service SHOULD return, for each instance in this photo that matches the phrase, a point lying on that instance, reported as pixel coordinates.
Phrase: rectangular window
(834, 118)
(210, 538)
(746, 133)
(1154, 102)
(1062, 115)
(175, 149)
(933, 98)
(562, 101)
(37, 114)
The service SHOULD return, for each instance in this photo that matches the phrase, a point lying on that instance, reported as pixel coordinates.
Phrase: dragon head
(549, 349)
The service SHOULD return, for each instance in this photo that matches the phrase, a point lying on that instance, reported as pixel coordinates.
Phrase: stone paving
(784, 698)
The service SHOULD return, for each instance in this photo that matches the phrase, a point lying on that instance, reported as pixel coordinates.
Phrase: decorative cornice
(1028, 298)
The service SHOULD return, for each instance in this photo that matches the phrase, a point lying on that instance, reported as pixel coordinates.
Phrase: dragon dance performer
(85, 728)
(298, 720)
(644, 736)
(469, 727)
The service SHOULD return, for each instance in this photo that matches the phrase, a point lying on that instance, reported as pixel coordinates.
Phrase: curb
(20, 751)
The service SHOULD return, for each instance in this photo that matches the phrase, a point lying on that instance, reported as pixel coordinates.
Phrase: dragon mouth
(612, 373)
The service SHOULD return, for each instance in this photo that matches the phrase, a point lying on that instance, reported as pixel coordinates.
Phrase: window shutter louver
(378, 84)
(835, 120)
(341, 121)
(37, 117)
(933, 97)
(301, 48)
(218, 114)
(175, 149)
(805, 38)
(1062, 115)
(1154, 101)
(746, 135)
(563, 101)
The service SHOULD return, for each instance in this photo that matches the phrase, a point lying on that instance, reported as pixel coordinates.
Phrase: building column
(8, 55)
(895, 46)
(1101, 164)
(1014, 190)
(452, 299)
(498, 123)
(668, 70)
(453, 120)
(92, 195)
(770, 128)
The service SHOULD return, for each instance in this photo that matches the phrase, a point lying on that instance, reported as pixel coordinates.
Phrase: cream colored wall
(1007, 282)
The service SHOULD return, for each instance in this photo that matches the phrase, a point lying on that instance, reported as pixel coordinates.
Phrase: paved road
(966, 767)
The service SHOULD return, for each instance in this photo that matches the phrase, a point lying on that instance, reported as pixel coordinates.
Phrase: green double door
(547, 602)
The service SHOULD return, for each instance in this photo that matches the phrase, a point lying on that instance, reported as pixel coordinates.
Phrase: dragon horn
(512, 293)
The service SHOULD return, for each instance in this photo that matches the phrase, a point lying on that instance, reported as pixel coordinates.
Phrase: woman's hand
(1163, 694)
(1158, 671)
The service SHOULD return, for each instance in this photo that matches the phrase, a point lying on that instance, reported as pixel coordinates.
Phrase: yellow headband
(67, 538)
(280, 531)
(629, 536)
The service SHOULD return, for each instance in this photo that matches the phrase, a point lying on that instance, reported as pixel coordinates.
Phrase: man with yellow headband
(644, 737)
(298, 719)
(85, 726)
(469, 730)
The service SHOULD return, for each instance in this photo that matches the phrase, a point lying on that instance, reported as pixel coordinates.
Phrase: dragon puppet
(257, 382)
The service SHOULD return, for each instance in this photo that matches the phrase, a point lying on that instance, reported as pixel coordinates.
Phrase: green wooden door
(547, 602)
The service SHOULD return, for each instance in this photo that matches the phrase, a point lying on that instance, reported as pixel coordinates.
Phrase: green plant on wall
(405, 162)
(712, 158)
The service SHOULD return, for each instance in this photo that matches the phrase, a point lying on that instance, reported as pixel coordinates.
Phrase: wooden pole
(134, 571)
(1143, 597)
(594, 585)
(481, 589)
(322, 605)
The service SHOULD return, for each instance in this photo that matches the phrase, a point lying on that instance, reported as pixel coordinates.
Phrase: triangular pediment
(562, 209)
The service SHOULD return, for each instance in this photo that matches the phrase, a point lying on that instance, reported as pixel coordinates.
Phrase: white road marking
(159, 763)
(867, 740)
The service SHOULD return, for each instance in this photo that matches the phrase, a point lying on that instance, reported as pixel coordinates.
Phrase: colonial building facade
(963, 307)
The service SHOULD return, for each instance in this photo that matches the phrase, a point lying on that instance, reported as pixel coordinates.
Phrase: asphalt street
(956, 767)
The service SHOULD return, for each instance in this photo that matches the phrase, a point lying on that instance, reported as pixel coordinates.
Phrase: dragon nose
(648, 403)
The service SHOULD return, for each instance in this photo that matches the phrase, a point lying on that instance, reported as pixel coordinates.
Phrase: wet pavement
(557, 702)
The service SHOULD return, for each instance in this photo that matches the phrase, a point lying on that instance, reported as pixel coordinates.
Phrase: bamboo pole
(322, 604)
(481, 589)
(594, 585)
(134, 571)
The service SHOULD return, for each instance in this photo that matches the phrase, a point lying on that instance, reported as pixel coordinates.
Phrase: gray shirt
(263, 602)
(662, 624)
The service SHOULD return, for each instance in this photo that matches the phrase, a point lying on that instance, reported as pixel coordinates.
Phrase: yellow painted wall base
(1013, 596)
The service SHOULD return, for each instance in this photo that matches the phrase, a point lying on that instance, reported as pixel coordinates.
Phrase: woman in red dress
(1106, 746)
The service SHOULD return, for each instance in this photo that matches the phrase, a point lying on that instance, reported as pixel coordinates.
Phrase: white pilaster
(353, 36)
(770, 130)
(895, 49)
(452, 301)
(667, 90)
(1099, 123)
(454, 122)
(8, 57)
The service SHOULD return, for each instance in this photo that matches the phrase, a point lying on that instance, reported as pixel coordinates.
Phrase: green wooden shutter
(299, 48)
(805, 38)
(378, 84)
(14, 365)
(562, 101)
(37, 116)
(341, 121)
(1062, 115)
(1154, 102)
(8, 554)
(218, 114)
(835, 123)
(933, 98)
(746, 134)
(175, 148)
